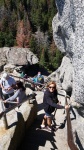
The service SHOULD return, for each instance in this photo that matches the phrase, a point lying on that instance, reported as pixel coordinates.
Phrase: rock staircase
(44, 140)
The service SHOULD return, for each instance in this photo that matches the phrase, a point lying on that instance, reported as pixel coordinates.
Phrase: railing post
(4, 117)
(4, 112)
(5, 121)
(70, 138)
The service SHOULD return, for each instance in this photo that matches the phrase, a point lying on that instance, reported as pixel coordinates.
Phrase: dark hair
(19, 85)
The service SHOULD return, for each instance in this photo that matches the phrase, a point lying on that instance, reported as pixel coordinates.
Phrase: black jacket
(50, 101)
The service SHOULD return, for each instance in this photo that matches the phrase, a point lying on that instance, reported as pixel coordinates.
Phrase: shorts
(48, 114)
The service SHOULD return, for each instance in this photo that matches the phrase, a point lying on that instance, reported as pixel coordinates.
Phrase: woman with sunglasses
(50, 102)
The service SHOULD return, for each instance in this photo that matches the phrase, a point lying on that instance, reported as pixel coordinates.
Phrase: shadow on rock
(18, 133)
(35, 138)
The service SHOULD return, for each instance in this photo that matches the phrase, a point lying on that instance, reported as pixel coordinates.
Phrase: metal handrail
(30, 81)
(5, 111)
(70, 138)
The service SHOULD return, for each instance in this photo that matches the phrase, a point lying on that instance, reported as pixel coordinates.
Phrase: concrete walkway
(44, 140)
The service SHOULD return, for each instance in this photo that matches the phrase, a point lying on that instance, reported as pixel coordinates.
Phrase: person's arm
(50, 102)
(2, 85)
(11, 87)
(17, 100)
(13, 97)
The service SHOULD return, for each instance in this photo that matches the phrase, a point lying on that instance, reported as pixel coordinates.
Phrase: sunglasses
(51, 87)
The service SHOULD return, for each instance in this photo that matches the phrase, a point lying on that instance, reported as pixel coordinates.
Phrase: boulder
(17, 57)
(9, 68)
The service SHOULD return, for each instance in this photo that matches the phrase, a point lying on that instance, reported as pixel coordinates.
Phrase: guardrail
(28, 98)
(32, 82)
(5, 111)
(70, 138)
(27, 80)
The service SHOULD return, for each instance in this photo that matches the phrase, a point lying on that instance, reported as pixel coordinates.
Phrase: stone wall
(19, 120)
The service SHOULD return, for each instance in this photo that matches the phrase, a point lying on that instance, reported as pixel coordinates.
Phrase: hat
(5, 75)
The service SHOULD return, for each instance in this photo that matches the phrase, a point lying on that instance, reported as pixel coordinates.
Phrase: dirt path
(43, 140)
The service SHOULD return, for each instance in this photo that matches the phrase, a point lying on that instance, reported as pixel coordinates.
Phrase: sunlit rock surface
(68, 34)
(16, 57)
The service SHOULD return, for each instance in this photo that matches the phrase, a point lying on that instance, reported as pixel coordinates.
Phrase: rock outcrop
(64, 75)
(16, 57)
(68, 31)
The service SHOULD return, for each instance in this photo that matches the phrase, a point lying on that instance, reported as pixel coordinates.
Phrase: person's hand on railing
(4, 88)
(12, 102)
(9, 88)
(67, 107)
(5, 101)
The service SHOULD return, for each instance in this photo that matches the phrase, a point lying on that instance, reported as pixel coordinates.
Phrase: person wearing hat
(7, 83)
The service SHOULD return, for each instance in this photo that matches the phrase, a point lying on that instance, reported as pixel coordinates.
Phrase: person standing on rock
(6, 84)
(50, 102)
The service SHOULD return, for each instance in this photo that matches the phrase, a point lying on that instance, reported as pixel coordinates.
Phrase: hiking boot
(47, 128)
(41, 128)
(54, 128)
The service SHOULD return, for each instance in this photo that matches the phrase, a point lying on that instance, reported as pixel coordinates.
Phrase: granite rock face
(64, 75)
(16, 56)
(68, 33)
